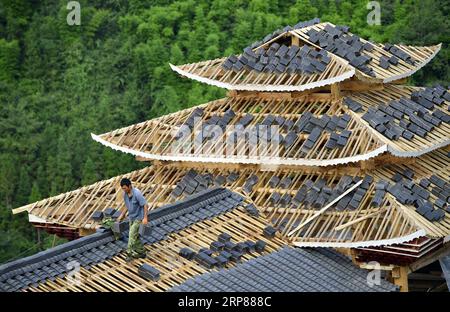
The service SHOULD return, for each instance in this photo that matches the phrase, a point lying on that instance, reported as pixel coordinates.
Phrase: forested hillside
(59, 83)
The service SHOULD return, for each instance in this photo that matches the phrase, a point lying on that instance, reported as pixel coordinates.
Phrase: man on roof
(137, 214)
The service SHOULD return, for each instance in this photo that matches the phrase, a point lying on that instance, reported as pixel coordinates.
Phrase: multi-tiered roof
(348, 156)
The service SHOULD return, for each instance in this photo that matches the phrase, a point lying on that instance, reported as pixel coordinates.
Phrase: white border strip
(418, 153)
(411, 72)
(256, 87)
(371, 243)
(258, 161)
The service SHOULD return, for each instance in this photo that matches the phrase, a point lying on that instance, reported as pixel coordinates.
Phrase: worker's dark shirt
(135, 204)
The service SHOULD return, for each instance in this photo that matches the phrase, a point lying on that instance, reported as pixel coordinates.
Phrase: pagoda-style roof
(312, 129)
(391, 206)
(308, 56)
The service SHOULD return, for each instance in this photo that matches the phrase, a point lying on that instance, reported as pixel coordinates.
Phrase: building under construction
(319, 166)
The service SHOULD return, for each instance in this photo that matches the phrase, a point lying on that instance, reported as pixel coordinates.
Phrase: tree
(35, 193)
(302, 10)
(89, 172)
(9, 58)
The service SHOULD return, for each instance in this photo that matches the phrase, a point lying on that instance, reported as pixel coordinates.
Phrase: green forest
(59, 83)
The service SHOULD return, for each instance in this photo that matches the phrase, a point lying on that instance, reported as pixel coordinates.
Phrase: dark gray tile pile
(193, 182)
(223, 251)
(279, 59)
(338, 40)
(318, 194)
(396, 55)
(280, 31)
(188, 126)
(407, 192)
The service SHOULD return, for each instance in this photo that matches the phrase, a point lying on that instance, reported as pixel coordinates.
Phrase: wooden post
(335, 91)
(400, 277)
(119, 196)
(295, 41)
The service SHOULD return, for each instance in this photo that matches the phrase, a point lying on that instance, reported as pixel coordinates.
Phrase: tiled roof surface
(56, 262)
(289, 269)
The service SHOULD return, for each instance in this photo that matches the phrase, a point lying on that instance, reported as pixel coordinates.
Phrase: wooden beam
(371, 215)
(400, 81)
(140, 158)
(365, 265)
(391, 159)
(357, 85)
(368, 164)
(430, 258)
(311, 95)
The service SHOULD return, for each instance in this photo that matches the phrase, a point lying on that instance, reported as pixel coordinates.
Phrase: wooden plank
(326, 207)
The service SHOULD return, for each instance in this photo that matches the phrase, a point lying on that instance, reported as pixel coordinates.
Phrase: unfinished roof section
(289, 269)
(411, 121)
(382, 62)
(249, 129)
(201, 233)
(307, 56)
(381, 210)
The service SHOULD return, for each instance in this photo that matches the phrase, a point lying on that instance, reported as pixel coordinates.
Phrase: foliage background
(59, 83)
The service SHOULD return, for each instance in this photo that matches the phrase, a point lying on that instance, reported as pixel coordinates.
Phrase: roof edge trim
(254, 87)
(398, 153)
(370, 243)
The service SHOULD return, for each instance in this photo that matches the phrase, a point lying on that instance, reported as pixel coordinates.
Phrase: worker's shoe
(142, 255)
